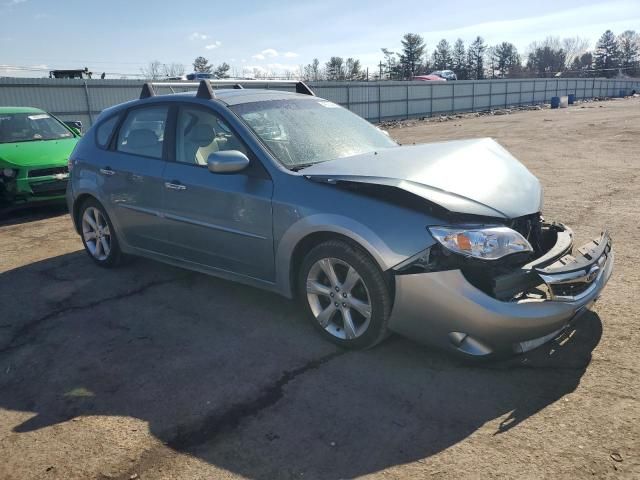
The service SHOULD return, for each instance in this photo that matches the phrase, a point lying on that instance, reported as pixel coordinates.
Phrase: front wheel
(345, 294)
(98, 235)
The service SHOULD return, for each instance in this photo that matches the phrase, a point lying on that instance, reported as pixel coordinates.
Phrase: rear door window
(142, 132)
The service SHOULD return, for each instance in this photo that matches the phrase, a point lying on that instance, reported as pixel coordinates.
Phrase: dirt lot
(155, 373)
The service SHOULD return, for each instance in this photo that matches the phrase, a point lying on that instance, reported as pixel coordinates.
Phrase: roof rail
(206, 91)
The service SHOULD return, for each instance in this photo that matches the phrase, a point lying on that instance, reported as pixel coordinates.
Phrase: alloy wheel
(339, 298)
(96, 233)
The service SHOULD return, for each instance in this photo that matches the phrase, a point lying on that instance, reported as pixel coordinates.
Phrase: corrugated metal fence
(376, 101)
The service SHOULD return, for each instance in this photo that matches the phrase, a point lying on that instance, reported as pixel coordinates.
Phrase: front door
(217, 220)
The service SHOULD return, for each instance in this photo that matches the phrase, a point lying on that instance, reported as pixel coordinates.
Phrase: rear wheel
(345, 294)
(98, 235)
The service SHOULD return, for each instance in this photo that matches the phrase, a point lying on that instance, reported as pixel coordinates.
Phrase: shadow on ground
(24, 213)
(234, 376)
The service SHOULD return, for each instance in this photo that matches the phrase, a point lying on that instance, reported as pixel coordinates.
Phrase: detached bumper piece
(524, 309)
(572, 278)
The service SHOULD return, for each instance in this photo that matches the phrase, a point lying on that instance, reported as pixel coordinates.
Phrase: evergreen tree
(222, 71)
(475, 59)
(442, 56)
(607, 55)
(412, 52)
(506, 59)
(582, 66)
(335, 68)
(202, 65)
(459, 60)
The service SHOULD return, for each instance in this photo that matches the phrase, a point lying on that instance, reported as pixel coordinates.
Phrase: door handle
(174, 185)
(107, 171)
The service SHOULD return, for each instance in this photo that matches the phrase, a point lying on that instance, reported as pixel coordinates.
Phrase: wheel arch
(77, 204)
(305, 235)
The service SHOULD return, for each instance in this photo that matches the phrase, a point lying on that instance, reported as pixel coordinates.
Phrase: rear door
(132, 176)
(217, 220)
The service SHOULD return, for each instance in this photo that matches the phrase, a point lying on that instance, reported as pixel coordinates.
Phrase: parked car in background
(438, 76)
(448, 75)
(429, 78)
(196, 76)
(443, 243)
(34, 151)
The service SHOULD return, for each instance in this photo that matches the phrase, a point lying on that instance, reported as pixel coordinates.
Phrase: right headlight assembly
(483, 242)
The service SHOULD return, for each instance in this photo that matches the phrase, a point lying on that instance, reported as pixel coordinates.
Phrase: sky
(121, 37)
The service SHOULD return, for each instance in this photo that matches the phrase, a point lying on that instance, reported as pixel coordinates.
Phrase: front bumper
(444, 309)
(34, 184)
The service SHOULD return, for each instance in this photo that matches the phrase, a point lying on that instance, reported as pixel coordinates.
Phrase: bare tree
(573, 48)
(173, 70)
(153, 71)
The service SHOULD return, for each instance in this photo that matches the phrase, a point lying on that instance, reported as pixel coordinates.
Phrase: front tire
(98, 235)
(345, 295)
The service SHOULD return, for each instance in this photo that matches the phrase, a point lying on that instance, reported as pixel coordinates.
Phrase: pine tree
(442, 56)
(506, 58)
(607, 55)
(459, 60)
(222, 70)
(475, 59)
(202, 65)
(335, 68)
(412, 52)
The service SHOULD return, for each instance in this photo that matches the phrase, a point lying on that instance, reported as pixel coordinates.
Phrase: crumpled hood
(477, 177)
(37, 153)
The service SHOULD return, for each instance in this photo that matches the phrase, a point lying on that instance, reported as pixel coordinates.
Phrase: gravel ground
(157, 373)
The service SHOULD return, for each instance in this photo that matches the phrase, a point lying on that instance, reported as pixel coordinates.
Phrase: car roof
(227, 96)
(6, 110)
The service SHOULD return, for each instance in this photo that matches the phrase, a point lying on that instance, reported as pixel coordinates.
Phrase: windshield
(301, 132)
(29, 127)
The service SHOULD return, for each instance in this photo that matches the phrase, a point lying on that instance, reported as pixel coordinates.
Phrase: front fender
(384, 256)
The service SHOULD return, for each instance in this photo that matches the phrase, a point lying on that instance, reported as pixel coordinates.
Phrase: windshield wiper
(300, 166)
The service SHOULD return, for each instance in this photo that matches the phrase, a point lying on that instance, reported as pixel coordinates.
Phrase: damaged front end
(516, 303)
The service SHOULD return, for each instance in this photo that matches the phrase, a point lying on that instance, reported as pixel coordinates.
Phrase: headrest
(142, 138)
(202, 134)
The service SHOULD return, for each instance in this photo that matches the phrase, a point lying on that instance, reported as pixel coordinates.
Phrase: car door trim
(213, 226)
(148, 211)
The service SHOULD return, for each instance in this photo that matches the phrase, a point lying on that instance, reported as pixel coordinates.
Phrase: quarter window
(142, 132)
(200, 133)
(104, 131)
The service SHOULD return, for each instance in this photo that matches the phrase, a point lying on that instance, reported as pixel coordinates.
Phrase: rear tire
(345, 295)
(98, 235)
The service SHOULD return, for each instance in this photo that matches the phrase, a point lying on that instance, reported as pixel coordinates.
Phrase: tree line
(613, 55)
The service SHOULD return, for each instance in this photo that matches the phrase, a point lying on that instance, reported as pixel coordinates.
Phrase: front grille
(49, 189)
(569, 289)
(45, 172)
(530, 227)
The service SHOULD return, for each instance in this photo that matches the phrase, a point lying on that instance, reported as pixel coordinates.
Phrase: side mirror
(75, 125)
(227, 161)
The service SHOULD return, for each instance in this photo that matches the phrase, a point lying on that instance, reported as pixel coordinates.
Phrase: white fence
(376, 101)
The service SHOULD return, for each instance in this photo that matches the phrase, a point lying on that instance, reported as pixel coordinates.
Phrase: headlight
(8, 172)
(487, 243)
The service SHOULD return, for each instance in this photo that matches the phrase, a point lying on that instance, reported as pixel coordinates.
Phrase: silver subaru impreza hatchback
(443, 243)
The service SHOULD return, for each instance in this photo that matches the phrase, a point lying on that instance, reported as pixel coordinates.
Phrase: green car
(34, 150)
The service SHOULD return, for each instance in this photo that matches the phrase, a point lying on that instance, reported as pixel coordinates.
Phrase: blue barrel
(572, 98)
(555, 102)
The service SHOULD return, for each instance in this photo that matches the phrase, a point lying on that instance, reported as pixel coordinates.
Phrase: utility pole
(380, 65)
